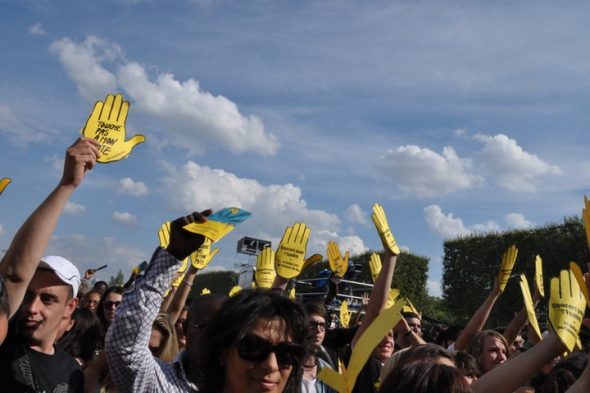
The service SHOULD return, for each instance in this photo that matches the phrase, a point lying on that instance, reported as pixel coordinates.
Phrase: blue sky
(455, 116)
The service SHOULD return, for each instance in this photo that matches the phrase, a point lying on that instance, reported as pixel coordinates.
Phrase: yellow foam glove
(290, 255)
(586, 218)
(179, 277)
(205, 291)
(220, 223)
(529, 305)
(106, 125)
(375, 266)
(312, 260)
(3, 183)
(579, 276)
(292, 294)
(344, 314)
(380, 221)
(392, 297)
(338, 264)
(409, 307)
(201, 257)
(164, 234)
(539, 276)
(234, 290)
(508, 260)
(566, 308)
(344, 382)
(265, 268)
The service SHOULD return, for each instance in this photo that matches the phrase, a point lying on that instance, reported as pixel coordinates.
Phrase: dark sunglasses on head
(109, 304)
(255, 349)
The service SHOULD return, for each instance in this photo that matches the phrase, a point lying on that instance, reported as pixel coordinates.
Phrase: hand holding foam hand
(290, 255)
(219, 223)
(380, 221)
(508, 260)
(203, 255)
(265, 268)
(182, 243)
(566, 308)
(106, 125)
(529, 305)
(338, 264)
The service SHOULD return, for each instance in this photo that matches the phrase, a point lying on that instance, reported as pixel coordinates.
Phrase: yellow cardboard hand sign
(179, 277)
(409, 307)
(234, 290)
(312, 260)
(566, 308)
(344, 382)
(586, 218)
(205, 291)
(106, 125)
(344, 314)
(201, 257)
(539, 276)
(529, 305)
(380, 221)
(164, 234)
(265, 268)
(292, 294)
(375, 266)
(579, 276)
(392, 297)
(508, 260)
(290, 255)
(3, 183)
(338, 264)
(219, 223)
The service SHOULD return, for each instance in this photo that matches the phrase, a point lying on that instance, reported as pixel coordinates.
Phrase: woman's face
(267, 375)
(110, 304)
(91, 301)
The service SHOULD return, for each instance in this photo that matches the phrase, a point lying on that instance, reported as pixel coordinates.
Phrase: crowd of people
(59, 334)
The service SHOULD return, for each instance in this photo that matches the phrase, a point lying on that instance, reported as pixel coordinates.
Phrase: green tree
(117, 280)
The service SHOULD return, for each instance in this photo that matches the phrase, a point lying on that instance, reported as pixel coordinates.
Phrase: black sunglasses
(255, 349)
(109, 304)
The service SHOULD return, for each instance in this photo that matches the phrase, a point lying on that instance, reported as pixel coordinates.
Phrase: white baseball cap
(64, 269)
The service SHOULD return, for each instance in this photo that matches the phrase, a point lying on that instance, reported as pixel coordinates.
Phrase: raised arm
(175, 307)
(519, 320)
(28, 246)
(478, 320)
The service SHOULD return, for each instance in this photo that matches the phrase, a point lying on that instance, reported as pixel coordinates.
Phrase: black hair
(236, 317)
(424, 377)
(315, 308)
(408, 314)
(4, 300)
(84, 339)
(466, 364)
(100, 308)
(423, 353)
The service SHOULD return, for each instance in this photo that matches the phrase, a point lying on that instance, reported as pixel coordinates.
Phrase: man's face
(494, 353)
(384, 349)
(415, 325)
(45, 306)
(317, 326)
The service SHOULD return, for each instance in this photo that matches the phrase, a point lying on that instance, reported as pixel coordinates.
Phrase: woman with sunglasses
(254, 343)
(108, 305)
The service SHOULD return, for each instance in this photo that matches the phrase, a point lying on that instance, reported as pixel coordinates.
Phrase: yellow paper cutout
(253, 285)
(3, 184)
(106, 125)
(338, 264)
(205, 291)
(292, 294)
(312, 260)
(344, 382)
(164, 234)
(392, 297)
(579, 276)
(529, 305)
(201, 257)
(178, 280)
(219, 223)
(290, 255)
(380, 220)
(265, 268)
(409, 307)
(566, 308)
(539, 275)
(375, 266)
(234, 290)
(344, 314)
(508, 260)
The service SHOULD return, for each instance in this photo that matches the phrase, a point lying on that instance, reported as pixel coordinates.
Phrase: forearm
(280, 283)
(175, 307)
(515, 326)
(476, 323)
(582, 385)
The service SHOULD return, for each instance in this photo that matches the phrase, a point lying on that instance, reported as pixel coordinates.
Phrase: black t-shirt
(25, 370)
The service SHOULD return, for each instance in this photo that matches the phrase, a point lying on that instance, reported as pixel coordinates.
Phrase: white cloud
(460, 131)
(434, 288)
(124, 218)
(128, 186)
(356, 215)
(513, 168)
(37, 29)
(83, 64)
(18, 129)
(74, 208)
(518, 221)
(273, 207)
(425, 173)
(448, 226)
(188, 112)
(1, 230)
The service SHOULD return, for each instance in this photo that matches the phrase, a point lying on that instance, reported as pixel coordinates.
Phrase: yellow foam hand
(338, 264)
(220, 223)
(344, 382)
(179, 278)
(201, 257)
(586, 218)
(579, 276)
(3, 183)
(344, 314)
(566, 308)
(375, 266)
(164, 234)
(234, 290)
(508, 260)
(292, 294)
(205, 291)
(312, 260)
(529, 305)
(380, 221)
(106, 125)
(265, 268)
(392, 297)
(539, 276)
(290, 255)
(409, 307)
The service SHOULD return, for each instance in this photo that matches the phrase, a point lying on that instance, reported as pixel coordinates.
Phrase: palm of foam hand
(106, 125)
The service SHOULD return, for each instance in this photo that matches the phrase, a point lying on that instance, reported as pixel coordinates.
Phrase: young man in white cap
(42, 292)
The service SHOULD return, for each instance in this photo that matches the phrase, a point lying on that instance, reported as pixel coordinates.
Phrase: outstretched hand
(182, 242)
(80, 158)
